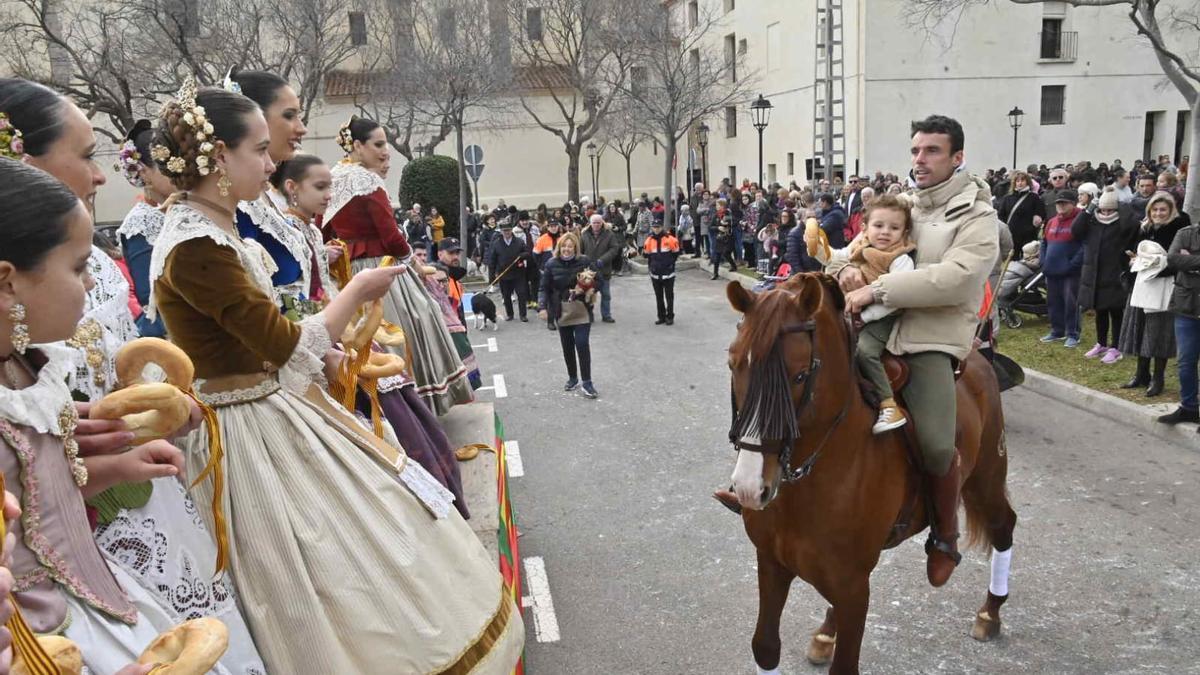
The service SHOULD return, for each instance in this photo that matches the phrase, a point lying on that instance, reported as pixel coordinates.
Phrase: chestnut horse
(829, 501)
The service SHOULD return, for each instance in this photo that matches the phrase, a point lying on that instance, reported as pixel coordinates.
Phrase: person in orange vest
(661, 250)
(543, 248)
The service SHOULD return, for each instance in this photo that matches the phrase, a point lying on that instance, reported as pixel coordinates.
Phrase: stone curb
(1139, 417)
(724, 273)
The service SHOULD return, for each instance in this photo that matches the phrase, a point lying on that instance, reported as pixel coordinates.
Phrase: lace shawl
(39, 404)
(107, 324)
(267, 216)
(351, 180)
(144, 220)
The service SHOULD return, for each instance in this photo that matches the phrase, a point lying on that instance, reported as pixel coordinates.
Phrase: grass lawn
(1055, 359)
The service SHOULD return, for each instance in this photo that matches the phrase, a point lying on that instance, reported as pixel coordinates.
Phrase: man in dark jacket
(509, 253)
(796, 253)
(833, 220)
(1062, 261)
(1183, 258)
(602, 246)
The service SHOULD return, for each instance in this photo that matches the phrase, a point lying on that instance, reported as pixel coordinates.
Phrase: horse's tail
(978, 532)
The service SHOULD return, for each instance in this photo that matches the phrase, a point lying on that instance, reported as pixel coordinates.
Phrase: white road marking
(499, 386)
(491, 345)
(545, 623)
(512, 453)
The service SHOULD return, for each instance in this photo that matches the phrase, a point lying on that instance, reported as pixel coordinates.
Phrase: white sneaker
(889, 418)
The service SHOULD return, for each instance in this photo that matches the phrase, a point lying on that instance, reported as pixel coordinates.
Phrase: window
(791, 156)
(730, 121)
(771, 174)
(358, 29)
(732, 175)
(446, 25)
(1051, 38)
(730, 5)
(731, 56)
(773, 56)
(742, 47)
(533, 23)
(693, 14)
(1054, 104)
(637, 80)
(694, 58)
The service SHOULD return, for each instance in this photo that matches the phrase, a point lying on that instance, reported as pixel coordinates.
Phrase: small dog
(585, 286)
(484, 309)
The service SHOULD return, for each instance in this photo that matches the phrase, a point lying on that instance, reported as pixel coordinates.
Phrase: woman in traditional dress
(361, 216)
(347, 557)
(141, 225)
(162, 553)
(305, 182)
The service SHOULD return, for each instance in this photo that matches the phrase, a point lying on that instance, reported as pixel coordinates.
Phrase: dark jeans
(512, 283)
(574, 341)
(532, 278)
(1187, 337)
(664, 288)
(1062, 303)
(1106, 318)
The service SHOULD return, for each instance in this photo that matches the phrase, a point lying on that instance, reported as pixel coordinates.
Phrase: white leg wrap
(773, 671)
(1000, 563)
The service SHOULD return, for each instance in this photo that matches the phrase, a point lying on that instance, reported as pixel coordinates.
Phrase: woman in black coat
(560, 306)
(1105, 235)
(1022, 211)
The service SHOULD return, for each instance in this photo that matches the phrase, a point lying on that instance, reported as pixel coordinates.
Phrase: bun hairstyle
(135, 153)
(258, 86)
(294, 169)
(356, 129)
(34, 109)
(189, 128)
(142, 135)
(33, 213)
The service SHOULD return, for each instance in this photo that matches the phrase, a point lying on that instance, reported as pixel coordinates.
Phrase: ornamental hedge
(433, 181)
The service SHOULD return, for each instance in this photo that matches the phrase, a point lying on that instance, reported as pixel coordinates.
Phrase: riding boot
(1142, 377)
(942, 545)
(1157, 379)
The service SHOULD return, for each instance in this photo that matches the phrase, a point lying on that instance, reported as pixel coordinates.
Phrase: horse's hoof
(820, 649)
(986, 628)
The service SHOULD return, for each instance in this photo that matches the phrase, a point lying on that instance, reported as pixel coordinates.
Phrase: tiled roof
(344, 84)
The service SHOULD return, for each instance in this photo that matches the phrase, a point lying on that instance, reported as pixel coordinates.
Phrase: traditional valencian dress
(360, 215)
(137, 233)
(348, 557)
(159, 542)
(411, 423)
(64, 585)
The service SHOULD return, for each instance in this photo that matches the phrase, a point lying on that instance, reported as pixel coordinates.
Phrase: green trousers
(872, 341)
(932, 405)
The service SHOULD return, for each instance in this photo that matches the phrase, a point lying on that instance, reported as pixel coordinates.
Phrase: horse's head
(775, 362)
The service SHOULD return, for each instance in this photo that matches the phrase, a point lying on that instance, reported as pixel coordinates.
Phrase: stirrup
(933, 543)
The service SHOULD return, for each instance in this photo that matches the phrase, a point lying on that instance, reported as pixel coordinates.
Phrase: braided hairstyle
(225, 111)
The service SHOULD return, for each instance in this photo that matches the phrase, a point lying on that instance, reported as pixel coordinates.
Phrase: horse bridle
(805, 377)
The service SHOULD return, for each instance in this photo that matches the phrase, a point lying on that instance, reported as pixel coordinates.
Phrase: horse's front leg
(850, 616)
(774, 582)
(820, 647)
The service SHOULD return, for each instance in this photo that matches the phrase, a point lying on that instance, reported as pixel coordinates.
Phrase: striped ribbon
(26, 648)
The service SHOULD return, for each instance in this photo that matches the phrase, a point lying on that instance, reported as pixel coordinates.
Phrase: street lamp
(1014, 121)
(591, 150)
(702, 131)
(760, 110)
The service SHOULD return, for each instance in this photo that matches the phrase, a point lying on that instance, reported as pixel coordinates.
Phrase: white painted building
(1092, 91)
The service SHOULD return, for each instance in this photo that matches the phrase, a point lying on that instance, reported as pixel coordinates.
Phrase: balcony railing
(1058, 45)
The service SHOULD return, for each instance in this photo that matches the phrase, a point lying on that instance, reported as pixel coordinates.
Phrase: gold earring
(20, 332)
(294, 200)
(223, 184)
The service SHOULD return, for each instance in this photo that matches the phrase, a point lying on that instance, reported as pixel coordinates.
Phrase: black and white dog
(484, 309)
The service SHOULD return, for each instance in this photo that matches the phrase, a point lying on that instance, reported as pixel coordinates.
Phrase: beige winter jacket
(954, 228)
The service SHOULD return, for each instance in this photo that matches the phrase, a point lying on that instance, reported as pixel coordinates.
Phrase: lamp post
(760, 110)
(591, 150)
(702, 131)
(1014, 121)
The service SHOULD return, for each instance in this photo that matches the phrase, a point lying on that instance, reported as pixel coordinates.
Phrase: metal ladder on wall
(829, 98)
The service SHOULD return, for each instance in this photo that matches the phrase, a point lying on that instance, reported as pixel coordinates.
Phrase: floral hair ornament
(129, 163)
(230, 84)
(193, 115)
(12, 144)
(344, 138)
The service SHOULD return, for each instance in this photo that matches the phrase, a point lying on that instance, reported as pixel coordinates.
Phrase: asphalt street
(647, 574)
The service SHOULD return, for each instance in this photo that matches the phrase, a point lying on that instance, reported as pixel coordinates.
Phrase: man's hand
(858, 300)
(851, 279)
(100, 437)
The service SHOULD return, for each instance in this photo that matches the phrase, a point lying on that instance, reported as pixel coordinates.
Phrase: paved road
(649, 575)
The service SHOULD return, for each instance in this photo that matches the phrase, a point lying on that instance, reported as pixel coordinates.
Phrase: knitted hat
(1090, 188)
(1108, 200)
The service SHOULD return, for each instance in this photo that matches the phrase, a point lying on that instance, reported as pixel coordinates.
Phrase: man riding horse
(954, 229)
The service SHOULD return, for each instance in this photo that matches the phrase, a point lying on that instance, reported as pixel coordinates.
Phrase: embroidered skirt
(435, 364)
(338, 562)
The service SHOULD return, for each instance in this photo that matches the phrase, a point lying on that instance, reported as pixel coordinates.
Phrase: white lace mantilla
(106, 307)
(306, 365)
(267, 217)
(184, 223)
(38, 405)
(350, 180)
(144, 220)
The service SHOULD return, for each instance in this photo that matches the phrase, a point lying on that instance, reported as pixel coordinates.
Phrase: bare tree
(1171, 48)
(624, 132)
(313, 42)
(679, 78)
(573, 57)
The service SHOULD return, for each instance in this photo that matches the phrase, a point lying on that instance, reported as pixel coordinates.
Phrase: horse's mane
(766, 316)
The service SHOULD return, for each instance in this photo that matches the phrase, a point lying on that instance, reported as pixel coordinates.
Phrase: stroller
(1022, 289)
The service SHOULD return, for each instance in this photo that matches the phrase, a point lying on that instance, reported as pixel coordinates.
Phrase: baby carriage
(1022, 289)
